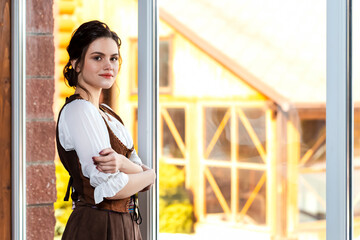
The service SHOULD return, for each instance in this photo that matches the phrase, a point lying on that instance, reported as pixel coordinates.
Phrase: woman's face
(100, 66)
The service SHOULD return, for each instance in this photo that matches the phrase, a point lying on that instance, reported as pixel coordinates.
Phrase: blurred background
(242, 97)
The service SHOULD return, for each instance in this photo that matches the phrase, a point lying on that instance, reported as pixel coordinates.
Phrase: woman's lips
(106, 75)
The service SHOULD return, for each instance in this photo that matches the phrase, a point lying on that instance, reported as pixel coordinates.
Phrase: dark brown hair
(79, 44)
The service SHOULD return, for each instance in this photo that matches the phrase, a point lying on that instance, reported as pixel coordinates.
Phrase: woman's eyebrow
(103, 54)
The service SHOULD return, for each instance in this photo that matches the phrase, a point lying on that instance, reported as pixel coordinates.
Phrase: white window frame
(18, 119)
(148, 105)
(339, 122)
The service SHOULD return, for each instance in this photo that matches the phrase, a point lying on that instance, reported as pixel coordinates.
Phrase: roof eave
(223, 59)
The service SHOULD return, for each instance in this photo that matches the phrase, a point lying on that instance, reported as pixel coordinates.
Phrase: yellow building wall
(196, 74)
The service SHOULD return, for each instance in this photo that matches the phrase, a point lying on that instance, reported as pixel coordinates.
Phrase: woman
(94, 146)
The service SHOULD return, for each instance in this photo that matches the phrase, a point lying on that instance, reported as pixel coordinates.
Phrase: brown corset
(82, 190)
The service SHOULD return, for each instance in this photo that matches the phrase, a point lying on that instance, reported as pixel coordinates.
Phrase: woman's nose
(108, 65)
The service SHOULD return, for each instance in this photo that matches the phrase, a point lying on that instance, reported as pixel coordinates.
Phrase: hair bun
(70, 75)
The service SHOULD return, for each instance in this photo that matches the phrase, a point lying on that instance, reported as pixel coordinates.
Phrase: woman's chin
(107, 85)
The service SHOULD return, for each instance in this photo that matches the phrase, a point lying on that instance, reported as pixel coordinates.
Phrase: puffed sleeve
(133, 157)
(81, 128)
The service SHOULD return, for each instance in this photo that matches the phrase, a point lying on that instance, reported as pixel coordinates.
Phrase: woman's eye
(114, 59)
(97, 58)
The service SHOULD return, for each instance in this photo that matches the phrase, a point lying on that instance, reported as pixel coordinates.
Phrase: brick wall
(40, 125)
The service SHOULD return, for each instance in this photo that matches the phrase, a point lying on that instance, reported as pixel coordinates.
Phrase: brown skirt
(90, 223)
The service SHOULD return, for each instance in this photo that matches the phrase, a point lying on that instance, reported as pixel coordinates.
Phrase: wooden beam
(174, 131)
(281, 175)
(217, 133)
(223, 59)
(271, 187)
(5, 121)
(293, 158)
(253, 195)
(239, 165)
(234, 170)
(307, 156)
(217, 191)
(196, 175)
(252, 134)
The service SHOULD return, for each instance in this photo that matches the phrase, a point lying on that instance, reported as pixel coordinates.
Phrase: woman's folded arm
(81, 128)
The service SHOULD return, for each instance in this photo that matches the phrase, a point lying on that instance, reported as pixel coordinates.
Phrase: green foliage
(176, 210)
(62, 209)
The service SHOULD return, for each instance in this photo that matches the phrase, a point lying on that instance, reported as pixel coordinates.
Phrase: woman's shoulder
(79, 110)
(79, 106)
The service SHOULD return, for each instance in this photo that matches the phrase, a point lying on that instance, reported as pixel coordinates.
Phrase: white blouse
(82, 128)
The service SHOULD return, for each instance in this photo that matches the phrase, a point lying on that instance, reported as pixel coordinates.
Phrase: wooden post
(195, 147)
(234, 169)
(281, 175)
(5, 122)
(294, 138)
(271, 196)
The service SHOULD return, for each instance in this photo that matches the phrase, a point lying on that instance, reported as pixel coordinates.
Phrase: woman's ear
(73, 64)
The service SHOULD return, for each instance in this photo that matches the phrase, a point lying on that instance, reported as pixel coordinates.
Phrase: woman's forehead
(106, 46)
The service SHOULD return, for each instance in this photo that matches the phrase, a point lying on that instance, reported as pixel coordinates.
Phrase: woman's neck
(91, 96)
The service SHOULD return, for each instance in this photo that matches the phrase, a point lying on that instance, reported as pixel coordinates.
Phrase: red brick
(40, 184)
(40, 141)
(40, 222)
(39, 16)
(39, 98)
(40, 55)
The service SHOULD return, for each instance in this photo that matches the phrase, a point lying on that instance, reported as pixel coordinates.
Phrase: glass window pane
(222, 177)
(312, 194)
(252, 80)
(164, 62)
(252, 197)
(173, 132)
(217, 134)
(122, 17)
(251, 125)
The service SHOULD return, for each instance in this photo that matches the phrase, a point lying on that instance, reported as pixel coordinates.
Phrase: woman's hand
(109, 161)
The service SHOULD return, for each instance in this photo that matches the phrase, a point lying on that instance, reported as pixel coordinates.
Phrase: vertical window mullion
(148, 109)
(338, 123)
(18, 106)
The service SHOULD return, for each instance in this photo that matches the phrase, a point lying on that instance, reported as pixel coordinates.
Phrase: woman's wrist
(128, 166)
(120, 162)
